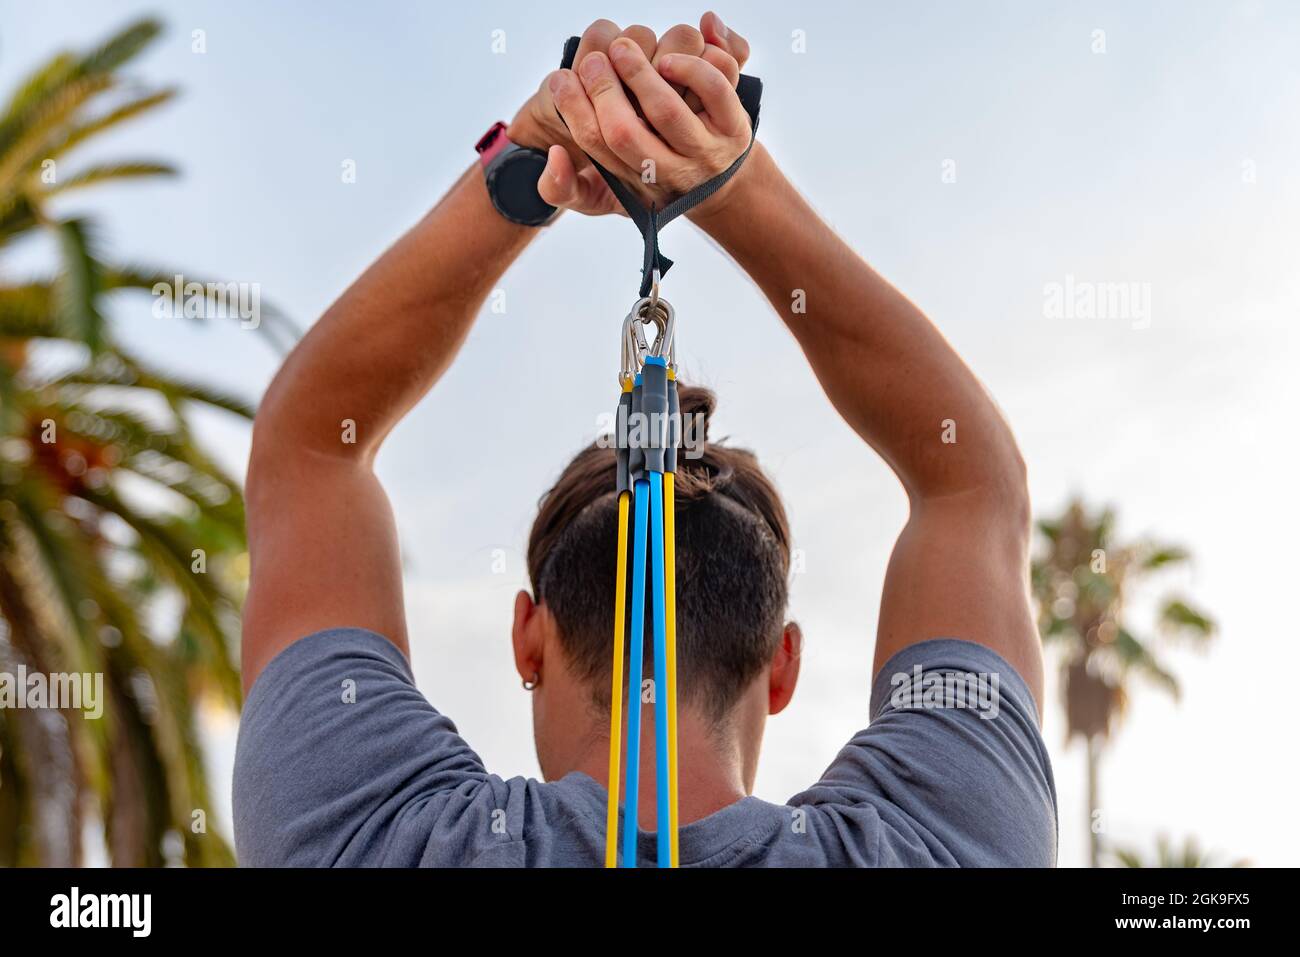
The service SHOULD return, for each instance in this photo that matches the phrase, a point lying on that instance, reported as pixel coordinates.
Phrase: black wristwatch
(512, 172)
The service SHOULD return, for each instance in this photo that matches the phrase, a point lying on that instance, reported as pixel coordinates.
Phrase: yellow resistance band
(616, 694)
(670, 627)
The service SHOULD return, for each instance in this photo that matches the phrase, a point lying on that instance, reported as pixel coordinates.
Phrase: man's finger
(724, 61)
(558, 184)
(721, 103)
(564, 185)
(643, 37)
(720, 35)
(578, 113)
(598, 36)
(623, 132)
(682, 38)
(663, 107)
(726, 65)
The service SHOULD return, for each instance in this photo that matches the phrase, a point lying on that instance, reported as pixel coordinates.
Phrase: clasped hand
(661, 114)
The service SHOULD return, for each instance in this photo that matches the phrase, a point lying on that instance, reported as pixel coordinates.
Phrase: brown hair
(733, 559)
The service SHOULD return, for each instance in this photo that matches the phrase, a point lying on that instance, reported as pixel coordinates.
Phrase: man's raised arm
(960, 566)
(321, 535)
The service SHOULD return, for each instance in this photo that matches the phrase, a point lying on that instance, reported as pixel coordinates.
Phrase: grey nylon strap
(651, 221)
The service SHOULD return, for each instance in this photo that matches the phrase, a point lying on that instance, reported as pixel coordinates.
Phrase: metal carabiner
(666, 340)
(634, 347)
(654, 288)
(645, 311)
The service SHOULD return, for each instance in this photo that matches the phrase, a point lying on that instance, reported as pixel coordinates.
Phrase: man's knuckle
(683, 128)
(564, 102)
(642, 36)
(633, 67)
(620, 135)
(662, 107)
(714, 83)
(585, 133)
(685, 36)
(602, 85)
(599, 28)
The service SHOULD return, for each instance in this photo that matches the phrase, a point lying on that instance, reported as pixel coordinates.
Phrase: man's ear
(527, 635)
(785, 668)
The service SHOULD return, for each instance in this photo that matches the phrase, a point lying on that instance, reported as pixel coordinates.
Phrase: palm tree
(1081, 582)
(121, 541)
(1189, 855)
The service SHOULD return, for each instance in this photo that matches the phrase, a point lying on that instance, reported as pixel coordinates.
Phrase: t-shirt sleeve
(952, 769)
(341, 759)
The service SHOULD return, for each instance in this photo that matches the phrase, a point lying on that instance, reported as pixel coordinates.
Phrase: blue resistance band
(659, 624)
(632, 792)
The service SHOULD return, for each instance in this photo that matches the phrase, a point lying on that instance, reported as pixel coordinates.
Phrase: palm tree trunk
(1094, 823)
(45, 745)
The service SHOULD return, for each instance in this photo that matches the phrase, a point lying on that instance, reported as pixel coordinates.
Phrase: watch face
(512, 181)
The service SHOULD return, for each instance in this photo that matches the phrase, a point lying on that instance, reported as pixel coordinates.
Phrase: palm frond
(38, 139)
(1135, 655)
(280, 330)
(70, 571)
(1180, 618)
(168, 551)
(1189, 854)
(1161, 556)
(177, 750)
(34, 91)
(79, 286)
(110, 172)
(26, 312)
(127, 110)
(1128, 858)
(120, 48)
(122, 371)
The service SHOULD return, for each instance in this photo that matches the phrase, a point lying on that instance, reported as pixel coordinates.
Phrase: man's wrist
(747, 187)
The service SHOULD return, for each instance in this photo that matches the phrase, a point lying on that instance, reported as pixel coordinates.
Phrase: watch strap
(493, 143)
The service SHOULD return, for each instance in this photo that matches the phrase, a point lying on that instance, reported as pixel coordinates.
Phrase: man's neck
(710, 769)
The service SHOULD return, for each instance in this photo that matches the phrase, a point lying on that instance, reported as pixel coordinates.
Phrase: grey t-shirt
(386, 779)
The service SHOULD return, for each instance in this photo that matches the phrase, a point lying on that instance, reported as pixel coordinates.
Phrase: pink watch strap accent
(494, 142)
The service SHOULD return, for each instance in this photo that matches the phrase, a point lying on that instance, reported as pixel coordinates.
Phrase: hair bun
(698, 403)
(703, 468)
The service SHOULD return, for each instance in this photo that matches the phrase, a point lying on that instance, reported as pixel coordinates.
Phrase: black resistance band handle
(650, 221)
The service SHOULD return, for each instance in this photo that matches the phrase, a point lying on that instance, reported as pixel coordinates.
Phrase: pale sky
(1170, 160)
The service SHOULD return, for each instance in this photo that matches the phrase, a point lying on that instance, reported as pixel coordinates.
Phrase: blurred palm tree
(1082, 583)
(121, 541)
(1189, 855)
